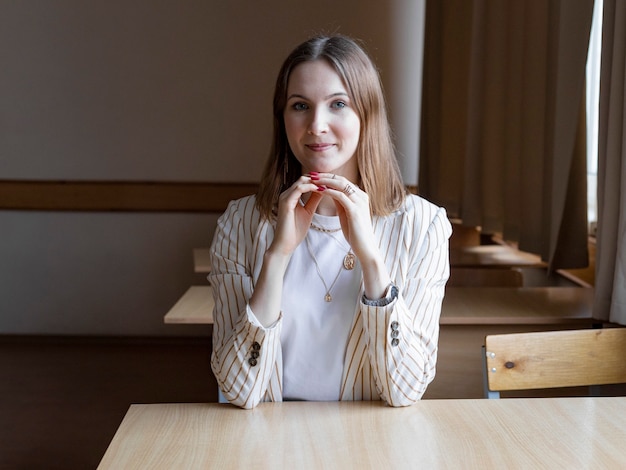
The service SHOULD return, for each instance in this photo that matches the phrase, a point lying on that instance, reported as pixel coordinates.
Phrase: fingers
(349, 190)
(338, 184)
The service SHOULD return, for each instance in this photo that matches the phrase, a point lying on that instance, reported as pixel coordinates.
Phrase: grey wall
(139, 90)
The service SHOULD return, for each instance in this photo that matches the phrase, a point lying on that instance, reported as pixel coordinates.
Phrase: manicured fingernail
(321, 188)
(314, 177)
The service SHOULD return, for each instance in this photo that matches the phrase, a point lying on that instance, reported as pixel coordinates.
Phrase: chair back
(551, 359)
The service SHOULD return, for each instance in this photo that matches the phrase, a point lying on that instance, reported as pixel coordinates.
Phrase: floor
(62, 399)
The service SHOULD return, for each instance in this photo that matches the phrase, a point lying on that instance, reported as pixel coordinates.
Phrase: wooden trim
(120, 196)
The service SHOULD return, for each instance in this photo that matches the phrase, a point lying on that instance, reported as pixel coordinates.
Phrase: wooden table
(461, 305)
(493, 255)
(508, 433)
(194, 307)
(516, 305)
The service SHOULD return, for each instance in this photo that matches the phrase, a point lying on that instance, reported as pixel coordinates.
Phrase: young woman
(328, 283)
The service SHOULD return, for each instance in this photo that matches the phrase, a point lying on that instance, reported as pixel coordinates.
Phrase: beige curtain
(503, 126)
(610, 302)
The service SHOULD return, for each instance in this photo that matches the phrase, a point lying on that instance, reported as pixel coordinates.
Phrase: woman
(328, 282)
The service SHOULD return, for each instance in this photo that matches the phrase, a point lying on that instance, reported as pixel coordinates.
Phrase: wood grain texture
(556, 359)
(514, 433)
(120, 196)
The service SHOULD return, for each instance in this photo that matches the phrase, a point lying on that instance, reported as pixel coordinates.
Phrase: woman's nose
(319, 123)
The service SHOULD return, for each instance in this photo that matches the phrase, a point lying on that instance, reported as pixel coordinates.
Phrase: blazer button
(254, 354)
(395, 325)
(395, 342)
(395, 333)
(256, 346)
(252, 361)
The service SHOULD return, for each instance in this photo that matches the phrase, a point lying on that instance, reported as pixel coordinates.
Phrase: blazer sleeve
(246, 356)
(402, 336)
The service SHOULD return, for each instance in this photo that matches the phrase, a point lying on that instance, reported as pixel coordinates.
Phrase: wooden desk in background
(194, 307)
(461, 305)
(493, 255)
(516, 305)
(508, 433)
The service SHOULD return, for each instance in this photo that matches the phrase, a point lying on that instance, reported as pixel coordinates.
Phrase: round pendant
(328, 297)
(349, 261)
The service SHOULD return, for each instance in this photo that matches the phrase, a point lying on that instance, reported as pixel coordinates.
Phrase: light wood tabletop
(516, 305)
(461, 305)
(493, 255)
(194, 307)
(509, 433)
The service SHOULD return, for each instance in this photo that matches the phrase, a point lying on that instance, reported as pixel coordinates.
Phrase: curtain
(610, 294)
(503, 125)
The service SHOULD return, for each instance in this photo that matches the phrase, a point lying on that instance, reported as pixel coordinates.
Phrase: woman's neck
(327, 207)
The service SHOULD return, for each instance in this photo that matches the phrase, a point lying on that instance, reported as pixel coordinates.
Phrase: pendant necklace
(328, 297)
(349, 260)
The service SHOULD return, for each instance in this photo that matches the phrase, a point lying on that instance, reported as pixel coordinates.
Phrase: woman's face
(322, 127)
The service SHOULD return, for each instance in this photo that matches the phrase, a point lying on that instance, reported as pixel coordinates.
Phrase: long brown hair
(379, 175)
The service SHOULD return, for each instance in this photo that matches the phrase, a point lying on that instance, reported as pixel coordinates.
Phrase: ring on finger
(333, 177)
(348, 190)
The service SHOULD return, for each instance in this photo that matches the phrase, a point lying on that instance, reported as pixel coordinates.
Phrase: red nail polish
(321, 188)
(313, 173)
(314, 177)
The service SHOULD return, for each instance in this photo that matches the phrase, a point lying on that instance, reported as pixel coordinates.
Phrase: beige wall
(154, 90)
(151, 91)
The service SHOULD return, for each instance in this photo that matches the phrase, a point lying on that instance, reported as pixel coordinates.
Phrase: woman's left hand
(353, 208)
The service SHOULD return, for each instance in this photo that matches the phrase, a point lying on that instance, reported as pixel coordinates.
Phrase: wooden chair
(554, 359)
(485, 277)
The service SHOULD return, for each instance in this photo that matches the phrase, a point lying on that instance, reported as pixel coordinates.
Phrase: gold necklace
(328, 297)
(325, 230)
(349, 260)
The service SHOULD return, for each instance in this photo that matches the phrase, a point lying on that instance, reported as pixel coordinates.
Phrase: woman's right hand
(293, 222)
(294, 218)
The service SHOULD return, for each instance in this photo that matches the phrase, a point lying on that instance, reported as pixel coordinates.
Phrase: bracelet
(391, 294)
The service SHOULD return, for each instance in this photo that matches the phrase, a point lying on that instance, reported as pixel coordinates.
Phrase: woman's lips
(319, 147)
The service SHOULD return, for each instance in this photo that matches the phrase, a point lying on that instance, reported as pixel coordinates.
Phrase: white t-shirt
(315, 332)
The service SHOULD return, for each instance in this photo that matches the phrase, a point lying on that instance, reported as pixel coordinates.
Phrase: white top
(315, 332)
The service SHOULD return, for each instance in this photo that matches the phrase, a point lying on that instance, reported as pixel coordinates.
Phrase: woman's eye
(339, 104)
(299, 106)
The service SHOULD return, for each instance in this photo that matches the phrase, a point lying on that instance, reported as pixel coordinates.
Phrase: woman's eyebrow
(332, 95)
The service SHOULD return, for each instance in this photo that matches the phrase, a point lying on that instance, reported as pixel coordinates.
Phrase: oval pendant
(328, 297)
(349, 261)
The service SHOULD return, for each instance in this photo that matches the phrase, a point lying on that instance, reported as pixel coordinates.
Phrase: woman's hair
(379, 175)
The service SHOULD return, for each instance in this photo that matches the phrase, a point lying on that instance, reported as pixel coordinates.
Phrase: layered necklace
(348, 261)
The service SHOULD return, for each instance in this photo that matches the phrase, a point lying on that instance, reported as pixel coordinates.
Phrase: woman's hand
(294, 218)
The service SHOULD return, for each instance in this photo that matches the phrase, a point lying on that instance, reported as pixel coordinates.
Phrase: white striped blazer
(414, 242)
